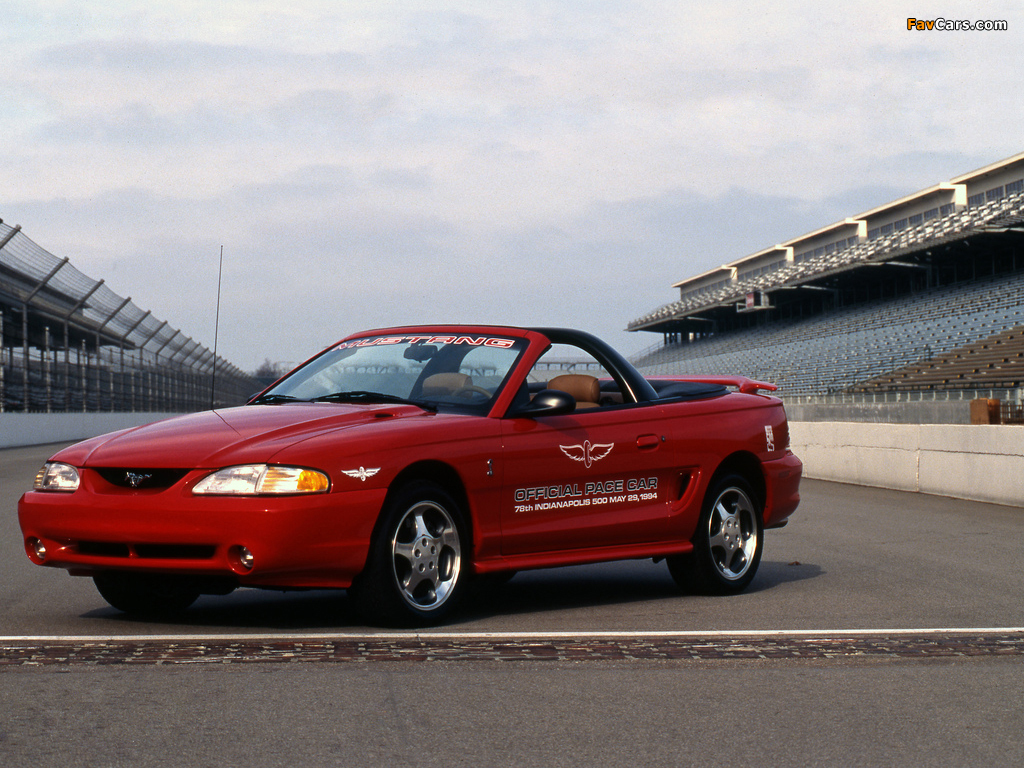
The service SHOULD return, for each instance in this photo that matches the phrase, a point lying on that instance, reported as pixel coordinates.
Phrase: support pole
(216, 330)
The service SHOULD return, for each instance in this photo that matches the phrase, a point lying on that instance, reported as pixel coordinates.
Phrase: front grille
(141, 479)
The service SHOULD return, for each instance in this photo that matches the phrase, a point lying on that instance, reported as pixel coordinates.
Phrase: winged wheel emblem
(362, 473)
(588, 453)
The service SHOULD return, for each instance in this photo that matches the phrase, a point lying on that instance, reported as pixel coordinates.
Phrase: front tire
(727, 544)
(416, 572)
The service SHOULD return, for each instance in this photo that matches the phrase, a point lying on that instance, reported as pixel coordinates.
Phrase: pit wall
(980, 463)
(17, 429)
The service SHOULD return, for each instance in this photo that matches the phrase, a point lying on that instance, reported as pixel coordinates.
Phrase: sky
(368, 164)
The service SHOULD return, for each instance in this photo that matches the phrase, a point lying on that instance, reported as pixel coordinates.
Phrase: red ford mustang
(401, 463)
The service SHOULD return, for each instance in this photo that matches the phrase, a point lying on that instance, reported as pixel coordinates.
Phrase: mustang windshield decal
(472, 341)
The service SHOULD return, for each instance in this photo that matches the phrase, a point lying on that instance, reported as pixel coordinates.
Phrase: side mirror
(548, 402)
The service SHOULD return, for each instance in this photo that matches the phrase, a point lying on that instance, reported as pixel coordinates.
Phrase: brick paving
(377, 649)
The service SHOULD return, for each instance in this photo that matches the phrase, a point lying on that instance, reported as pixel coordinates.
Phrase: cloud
(371, 163)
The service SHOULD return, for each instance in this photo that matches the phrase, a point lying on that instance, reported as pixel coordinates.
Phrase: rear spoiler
(742, 383)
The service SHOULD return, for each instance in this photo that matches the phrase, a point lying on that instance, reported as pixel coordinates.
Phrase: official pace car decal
(362, 473)
(769, 438)
(588, 453)
(629, 490)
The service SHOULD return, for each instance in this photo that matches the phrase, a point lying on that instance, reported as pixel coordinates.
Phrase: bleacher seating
(836, 350)
(994, 362)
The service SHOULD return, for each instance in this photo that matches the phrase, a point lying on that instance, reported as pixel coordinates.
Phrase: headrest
(585, 389)
(446, 383)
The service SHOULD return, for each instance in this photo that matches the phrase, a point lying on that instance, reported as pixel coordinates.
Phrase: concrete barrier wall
(917, 412)
(981, 463)
(17, 429)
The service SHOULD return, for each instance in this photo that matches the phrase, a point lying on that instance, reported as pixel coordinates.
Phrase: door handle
(648, 442)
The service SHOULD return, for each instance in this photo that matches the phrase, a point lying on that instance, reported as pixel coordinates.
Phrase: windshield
(448, 371)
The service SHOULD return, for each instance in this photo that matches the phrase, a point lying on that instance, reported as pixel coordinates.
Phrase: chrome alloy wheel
(427, 555)
(733, 533)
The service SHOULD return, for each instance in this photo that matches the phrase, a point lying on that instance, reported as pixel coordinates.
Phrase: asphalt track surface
(883, 628)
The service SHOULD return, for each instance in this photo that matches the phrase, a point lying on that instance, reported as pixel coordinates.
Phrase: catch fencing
(70, 344)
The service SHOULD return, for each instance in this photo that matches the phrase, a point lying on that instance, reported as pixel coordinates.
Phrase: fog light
(38, 549)
(245, 558)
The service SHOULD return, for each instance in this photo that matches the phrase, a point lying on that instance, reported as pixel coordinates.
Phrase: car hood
(252, 433)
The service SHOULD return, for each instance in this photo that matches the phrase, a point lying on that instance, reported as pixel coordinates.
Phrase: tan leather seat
(585, 389)
(446, 384)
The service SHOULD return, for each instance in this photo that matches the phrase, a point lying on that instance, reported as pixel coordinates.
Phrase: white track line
(515, 636)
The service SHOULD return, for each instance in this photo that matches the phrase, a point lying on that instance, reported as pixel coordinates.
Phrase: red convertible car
(401, 463)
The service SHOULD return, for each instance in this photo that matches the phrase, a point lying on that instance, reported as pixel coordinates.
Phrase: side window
(573, 370)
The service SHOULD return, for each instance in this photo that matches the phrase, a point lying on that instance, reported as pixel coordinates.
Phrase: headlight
(254, 479)
(55, 476)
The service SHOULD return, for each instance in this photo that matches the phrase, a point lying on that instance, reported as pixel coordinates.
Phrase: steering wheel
(471, 390)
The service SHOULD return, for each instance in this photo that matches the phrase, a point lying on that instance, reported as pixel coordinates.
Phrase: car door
(592, 478)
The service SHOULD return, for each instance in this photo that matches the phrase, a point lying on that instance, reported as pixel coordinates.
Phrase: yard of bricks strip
(350, 650)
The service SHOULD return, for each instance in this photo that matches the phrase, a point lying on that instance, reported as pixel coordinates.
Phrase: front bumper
(296, 541)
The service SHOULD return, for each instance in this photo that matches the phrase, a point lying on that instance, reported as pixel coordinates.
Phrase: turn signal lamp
(259, 479)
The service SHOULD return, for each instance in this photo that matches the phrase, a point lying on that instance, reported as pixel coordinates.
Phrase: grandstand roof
(39, 290)
(987, 203)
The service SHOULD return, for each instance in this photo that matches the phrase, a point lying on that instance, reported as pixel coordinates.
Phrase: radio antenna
(216, 332)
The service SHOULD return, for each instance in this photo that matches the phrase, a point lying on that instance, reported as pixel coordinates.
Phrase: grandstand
(925, 293)
(70, 344)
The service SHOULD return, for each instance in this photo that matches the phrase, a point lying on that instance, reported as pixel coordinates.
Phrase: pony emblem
(588, 453)
(135, 479)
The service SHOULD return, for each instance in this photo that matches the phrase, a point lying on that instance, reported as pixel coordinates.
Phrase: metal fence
(1013, 394)
(69, 343)
(1011, 413)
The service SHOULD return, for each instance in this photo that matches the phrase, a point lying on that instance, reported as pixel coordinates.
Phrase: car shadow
(771, 574)
(594, 586)
(530, 592)
(249, 609)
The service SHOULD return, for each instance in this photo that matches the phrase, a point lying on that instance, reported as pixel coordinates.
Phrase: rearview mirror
(420, 352)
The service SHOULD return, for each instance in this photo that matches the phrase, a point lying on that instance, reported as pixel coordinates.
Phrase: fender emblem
(588, 453)
(362, 473)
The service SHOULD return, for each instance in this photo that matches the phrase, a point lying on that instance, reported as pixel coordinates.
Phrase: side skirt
(581, 557)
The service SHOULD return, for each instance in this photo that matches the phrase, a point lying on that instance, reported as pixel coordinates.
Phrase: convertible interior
(591, 392)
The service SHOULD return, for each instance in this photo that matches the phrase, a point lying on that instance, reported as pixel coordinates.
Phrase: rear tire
(417, 570)
(727, 543)
(143, 593)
